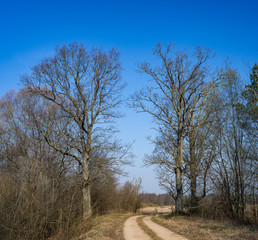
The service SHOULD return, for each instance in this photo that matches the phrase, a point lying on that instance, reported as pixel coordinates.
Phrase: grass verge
(106, 227)
(195, 228)
(147, 230)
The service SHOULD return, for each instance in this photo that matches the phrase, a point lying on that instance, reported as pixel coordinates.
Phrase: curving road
(132, 231)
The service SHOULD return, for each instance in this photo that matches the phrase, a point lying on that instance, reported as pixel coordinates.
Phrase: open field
(155, 210)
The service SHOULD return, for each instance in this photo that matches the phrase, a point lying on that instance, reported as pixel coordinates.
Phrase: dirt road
(132, 231)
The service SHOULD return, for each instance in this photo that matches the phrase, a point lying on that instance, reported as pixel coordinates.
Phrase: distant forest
(159, 199)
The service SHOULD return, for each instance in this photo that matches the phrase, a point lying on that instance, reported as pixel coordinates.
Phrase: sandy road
(132, 231)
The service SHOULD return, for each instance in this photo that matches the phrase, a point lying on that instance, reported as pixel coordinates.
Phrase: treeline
(207, 132)
(159, 199)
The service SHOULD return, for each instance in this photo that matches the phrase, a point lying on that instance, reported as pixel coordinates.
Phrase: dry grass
(195, 228)
(153, 210)
(144, 205)
(147, 230)
(106, 227)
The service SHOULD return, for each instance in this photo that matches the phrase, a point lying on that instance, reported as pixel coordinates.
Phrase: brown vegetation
(39, 210)
(195, 228)
(107, 227)
(154, 210)
(40, 188)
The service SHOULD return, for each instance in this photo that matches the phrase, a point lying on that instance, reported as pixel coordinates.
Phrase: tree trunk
(86, 197)
(179, 190)
(178, 171)
(87, 210)
(194, 198)
(193, 171)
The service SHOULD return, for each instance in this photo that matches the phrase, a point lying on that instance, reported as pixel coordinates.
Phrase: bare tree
(85, 86)
(180, 88)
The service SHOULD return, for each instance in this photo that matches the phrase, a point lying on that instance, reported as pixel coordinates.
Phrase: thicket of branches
(59, 161)
(163, 199)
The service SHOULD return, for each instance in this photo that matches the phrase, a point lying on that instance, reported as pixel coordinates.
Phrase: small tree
(85, 86)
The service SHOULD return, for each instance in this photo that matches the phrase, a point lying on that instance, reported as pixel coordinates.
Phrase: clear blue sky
(31, 29)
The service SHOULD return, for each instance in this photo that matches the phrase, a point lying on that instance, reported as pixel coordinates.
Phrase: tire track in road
(161, 231)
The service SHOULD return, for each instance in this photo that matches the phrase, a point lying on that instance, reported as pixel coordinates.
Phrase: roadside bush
(108, 197)
(36, 209)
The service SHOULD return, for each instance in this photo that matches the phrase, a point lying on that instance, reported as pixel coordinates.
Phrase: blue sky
(30, 30)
